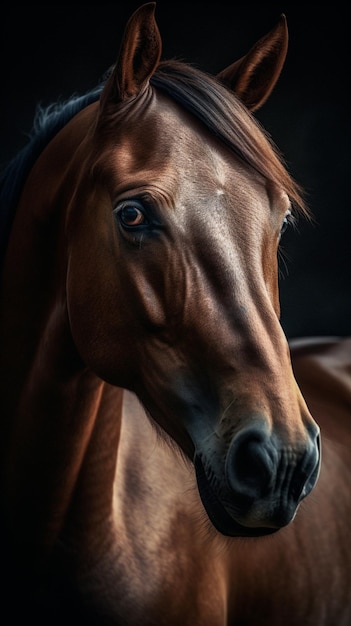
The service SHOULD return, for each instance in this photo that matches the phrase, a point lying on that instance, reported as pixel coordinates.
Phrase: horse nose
(263, 473)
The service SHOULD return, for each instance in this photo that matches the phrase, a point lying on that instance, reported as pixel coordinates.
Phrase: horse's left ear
(253, 77)
(138, 57)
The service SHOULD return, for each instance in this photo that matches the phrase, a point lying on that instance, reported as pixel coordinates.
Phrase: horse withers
(154, 436)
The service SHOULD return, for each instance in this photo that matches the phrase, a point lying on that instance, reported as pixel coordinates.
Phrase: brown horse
(160, 466)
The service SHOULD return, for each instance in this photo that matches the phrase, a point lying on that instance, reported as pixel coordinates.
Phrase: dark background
(51, 52)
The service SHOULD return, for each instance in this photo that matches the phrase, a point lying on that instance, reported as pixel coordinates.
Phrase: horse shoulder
(156, 539)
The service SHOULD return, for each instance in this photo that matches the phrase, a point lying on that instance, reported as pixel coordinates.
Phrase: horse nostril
(257, 468)
(251, 464)
(308, 471)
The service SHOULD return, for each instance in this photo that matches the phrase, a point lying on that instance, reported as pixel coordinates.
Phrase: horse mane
(228, 119)
(47, 123)
(196, 91)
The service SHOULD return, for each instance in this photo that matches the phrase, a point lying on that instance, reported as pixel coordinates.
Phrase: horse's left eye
(131, 215)
(288, 219)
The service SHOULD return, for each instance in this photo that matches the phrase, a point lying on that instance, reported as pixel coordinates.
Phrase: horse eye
(288, 219)
(131, 215)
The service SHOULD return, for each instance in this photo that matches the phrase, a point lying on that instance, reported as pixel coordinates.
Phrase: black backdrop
(51, 52)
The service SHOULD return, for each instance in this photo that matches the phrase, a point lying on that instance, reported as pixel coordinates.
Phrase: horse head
(172, 276)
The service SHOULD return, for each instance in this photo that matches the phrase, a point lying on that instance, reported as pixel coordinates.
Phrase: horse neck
(54, 424)
(60, 442)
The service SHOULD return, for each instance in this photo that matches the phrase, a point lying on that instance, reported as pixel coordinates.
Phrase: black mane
(47, 123)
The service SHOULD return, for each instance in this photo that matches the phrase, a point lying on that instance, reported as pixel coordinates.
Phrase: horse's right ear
(138, 58)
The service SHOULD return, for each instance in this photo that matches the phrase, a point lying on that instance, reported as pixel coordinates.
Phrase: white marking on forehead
(219, 192)
(218, 171)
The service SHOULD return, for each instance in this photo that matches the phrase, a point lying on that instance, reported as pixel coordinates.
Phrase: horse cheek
(98, 315)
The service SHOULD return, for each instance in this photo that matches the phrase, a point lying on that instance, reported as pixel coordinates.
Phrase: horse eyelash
(292, 219)
(283, 261)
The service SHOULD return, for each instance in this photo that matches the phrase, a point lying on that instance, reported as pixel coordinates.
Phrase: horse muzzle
(262, 484)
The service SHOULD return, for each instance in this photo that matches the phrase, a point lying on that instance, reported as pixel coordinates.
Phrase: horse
(161, 455)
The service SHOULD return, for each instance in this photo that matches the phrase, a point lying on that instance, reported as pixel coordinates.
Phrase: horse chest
(150, 584)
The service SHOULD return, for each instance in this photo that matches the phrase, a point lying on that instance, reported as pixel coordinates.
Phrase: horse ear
(253, 77)
(138, 57)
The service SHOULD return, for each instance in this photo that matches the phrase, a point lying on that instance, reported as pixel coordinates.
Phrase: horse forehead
(169, 147)
(193, 151)
(220, 181)
(163, 133)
